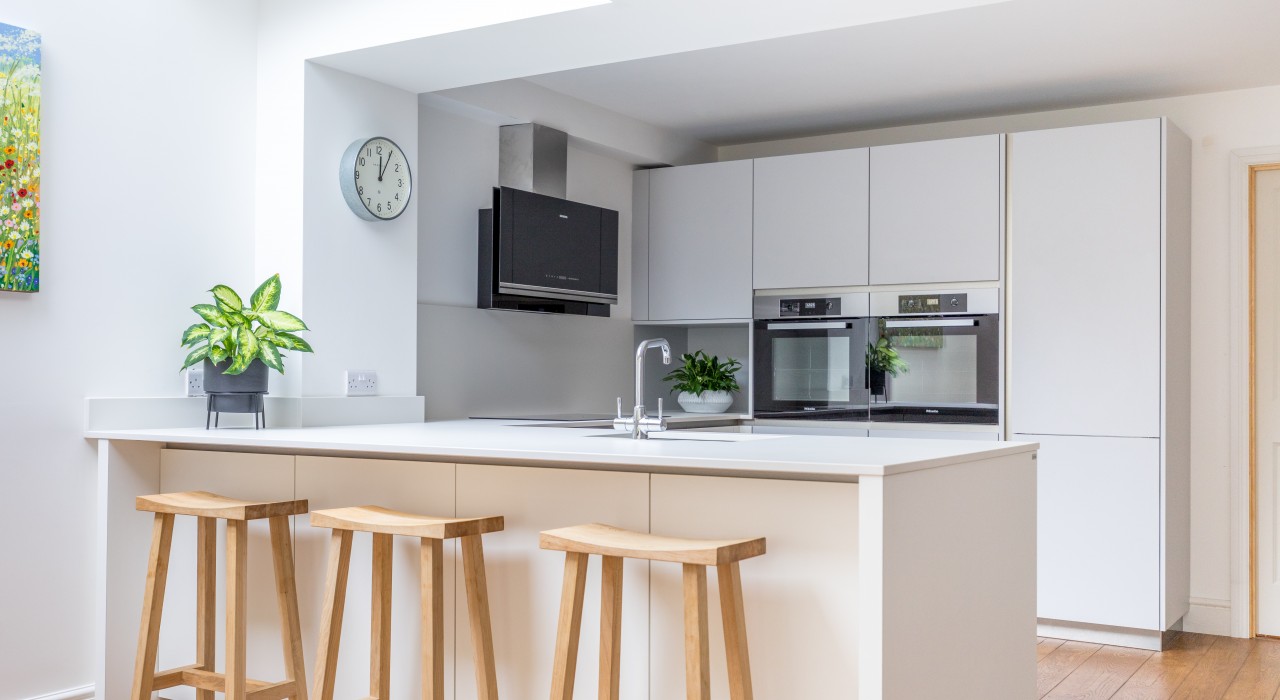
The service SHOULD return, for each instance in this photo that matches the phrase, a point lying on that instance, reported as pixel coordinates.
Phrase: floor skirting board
(81, 693)
(1209, 616)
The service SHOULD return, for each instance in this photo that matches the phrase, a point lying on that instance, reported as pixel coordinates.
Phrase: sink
(692, 436)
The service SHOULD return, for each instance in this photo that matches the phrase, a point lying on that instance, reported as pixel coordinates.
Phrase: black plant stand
(236, 402)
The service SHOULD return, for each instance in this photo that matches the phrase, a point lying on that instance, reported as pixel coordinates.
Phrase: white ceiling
(1020, 56)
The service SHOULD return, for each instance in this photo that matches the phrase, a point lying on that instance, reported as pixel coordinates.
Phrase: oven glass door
(811, 367)
(949, 370)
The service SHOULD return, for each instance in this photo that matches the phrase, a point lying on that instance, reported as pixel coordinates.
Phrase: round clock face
(375, 177)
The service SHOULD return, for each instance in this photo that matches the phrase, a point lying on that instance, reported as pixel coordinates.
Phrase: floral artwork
(19, 159)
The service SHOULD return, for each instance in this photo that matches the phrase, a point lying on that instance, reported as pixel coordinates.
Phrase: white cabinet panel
(811, 220)
(807, 430)
(1085, 288)
(234, 475)
(936, 211)
(800, 597)
(640, 245)
(1099, 530)
(700, 242)
(525, 581)
(416, 487)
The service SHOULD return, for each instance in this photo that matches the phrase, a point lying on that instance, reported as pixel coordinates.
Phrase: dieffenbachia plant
(242, 333)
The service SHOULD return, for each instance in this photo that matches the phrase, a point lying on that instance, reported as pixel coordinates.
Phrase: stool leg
(697, 654)
(237, 614)
(478, 614)
(144, 665)
(335, 596)
(610, 626)
(206, 600)
(287, 597)
(735, 631)
(569, 627)
(380, 619)
(431, 582)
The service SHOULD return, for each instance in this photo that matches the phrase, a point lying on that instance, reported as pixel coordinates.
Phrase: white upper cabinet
(1085, 309)
(700, 242)
(811, 220)
(936, 211)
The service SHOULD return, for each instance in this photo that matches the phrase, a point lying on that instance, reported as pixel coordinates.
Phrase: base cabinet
(800, 597)
(1098, 537)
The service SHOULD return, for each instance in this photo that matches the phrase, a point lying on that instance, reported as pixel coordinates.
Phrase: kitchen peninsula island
(896, 568)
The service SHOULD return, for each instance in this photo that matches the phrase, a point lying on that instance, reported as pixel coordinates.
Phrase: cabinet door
(811, 220)
(1098, 530)
(1085, 280)
(640, 245)
(525, 581)
(800, 598)
(936, 211)
(700, 242)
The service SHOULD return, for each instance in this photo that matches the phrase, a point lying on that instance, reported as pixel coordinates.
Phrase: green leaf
(262, 332)
(271, 357)
(196, 332)
(218, 354)
(290, 341)
(196, 356)
(210, 313)
(238, 365)
(235, 319)
(246, 345)
(219, 335)
(227, 298)
(267, 296)
(283, 321)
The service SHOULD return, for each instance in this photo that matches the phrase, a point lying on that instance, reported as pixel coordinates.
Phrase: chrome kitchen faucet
(639, 424)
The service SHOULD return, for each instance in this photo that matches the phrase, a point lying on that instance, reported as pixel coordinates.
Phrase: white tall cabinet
(1098, 301)
(811, 220)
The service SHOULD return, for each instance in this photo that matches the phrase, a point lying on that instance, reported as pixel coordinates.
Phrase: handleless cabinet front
(811, 220)
(700, 242)
(936, 211)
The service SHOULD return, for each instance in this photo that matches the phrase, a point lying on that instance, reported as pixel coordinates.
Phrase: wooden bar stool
(614, 544)
(211, 508)
(384, 524)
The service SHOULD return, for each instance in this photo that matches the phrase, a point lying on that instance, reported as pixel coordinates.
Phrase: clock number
(362, 161)
(368, 151)
(369, 201)
(357, 174)
(379, 150)
(379, 207)
(401, 182)
(397, 167)
(360, 189)
(397, 196)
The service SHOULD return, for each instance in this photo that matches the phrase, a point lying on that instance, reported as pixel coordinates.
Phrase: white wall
(474, 361)
(359, 277)
(1217, 123)
(148, 143)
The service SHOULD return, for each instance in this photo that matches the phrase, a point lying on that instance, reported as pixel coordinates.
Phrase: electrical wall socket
(195, 381)
(362, 382)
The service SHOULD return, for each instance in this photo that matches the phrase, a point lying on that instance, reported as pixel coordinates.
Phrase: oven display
(933, 303)
(809, 307)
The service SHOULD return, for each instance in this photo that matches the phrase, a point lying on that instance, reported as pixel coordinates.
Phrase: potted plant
(705, 384)
(882, 360)
(237, 343)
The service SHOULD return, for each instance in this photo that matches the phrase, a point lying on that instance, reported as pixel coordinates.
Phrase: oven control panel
(809, 307)
(933, 303)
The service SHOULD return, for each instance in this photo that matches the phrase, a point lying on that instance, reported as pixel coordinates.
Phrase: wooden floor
(1195, 667)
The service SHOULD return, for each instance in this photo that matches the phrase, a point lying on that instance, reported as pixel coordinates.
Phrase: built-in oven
(934, 357)
(810, 357)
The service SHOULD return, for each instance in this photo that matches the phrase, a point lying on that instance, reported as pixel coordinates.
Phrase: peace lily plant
(239, 333)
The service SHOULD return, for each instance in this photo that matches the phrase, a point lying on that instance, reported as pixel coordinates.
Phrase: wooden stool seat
(385, 523)
(610, 541)
(203, 504)
(393, 522)
(614, 545)
(208, 509)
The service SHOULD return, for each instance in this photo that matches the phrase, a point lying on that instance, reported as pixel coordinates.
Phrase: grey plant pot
(251, 381)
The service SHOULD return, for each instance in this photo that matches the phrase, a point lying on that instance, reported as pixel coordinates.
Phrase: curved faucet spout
(645, 346)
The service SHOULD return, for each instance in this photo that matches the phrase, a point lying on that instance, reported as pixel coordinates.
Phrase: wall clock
(375, 179)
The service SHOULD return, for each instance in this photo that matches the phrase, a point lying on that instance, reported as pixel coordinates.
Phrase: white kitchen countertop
(802, 457)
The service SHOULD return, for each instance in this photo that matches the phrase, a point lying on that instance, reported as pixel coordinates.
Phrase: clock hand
(384, 168)
(380, 168)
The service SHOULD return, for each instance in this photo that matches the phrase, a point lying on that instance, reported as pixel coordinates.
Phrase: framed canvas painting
(19, 159)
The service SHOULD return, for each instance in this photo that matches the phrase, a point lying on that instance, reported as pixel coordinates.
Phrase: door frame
(1245, 163)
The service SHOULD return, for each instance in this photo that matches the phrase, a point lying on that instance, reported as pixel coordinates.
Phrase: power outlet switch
(195, 381)
(362, 382)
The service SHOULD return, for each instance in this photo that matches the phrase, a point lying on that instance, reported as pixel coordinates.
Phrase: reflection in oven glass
(811, 369)
(947, 372)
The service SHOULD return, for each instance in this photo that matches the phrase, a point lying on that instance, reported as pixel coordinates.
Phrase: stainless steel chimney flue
(534, 158)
